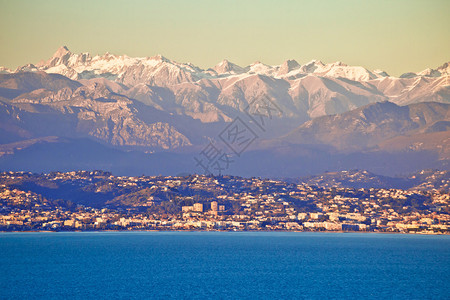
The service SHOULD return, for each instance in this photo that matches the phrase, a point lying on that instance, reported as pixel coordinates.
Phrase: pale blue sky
(397, 36)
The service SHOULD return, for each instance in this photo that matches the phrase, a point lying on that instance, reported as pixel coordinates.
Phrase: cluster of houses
(223, 203)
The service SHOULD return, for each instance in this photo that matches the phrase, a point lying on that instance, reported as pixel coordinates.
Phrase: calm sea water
(219, 265)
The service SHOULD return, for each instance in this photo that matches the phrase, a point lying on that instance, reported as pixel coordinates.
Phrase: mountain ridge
(63, 56)
(219, 93)
(315, 111)
(370, 125)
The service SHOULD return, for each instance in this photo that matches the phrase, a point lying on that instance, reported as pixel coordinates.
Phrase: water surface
(235, 265)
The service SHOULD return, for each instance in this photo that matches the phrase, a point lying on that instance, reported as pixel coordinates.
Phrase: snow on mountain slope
(321, 96)
(156, 70)
(218, 94)
(342, 70)
(334, 70)
(261, 69)
(404, 91)
(287, 67)
(226, 67)
(443, 70)
(4, 70)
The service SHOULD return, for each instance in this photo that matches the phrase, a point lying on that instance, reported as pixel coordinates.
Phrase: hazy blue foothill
(199, 265)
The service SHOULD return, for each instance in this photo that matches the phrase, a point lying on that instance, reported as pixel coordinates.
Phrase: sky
(396, 36)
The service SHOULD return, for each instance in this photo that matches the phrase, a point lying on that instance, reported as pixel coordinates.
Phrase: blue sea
(223, 265)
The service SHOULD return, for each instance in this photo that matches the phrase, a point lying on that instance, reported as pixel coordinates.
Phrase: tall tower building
(214, 206)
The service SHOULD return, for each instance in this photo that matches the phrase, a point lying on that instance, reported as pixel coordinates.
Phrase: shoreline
(230, 231)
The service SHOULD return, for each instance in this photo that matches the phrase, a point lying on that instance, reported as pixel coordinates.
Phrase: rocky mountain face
(154, 104)
(376, 125)
(91, 110)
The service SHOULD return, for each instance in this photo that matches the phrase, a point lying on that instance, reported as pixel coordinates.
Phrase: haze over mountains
(153, 115)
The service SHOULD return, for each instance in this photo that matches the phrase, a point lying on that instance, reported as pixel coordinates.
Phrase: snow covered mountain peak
(288, 66)
(438, 72)
(260, 68)
(381, 73)
(443, 70)
(159, 57)
(161, 71)
(4, 70)
(339, 64)
(312, 66)
(218, 94)
(226, 66)
(63, 50)
(156, 70)
(340, 69)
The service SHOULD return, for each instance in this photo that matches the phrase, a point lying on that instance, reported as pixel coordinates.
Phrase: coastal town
(97, 200)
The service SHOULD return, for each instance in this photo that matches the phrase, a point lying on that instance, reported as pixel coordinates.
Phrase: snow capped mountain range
(146, 69)
(129, 70)
(153, 104)
(302, 91)
(217, 94)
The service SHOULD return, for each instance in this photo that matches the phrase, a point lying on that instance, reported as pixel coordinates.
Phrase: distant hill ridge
(421, 180)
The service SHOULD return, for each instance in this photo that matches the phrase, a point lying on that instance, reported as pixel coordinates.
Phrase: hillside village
(97, 200)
